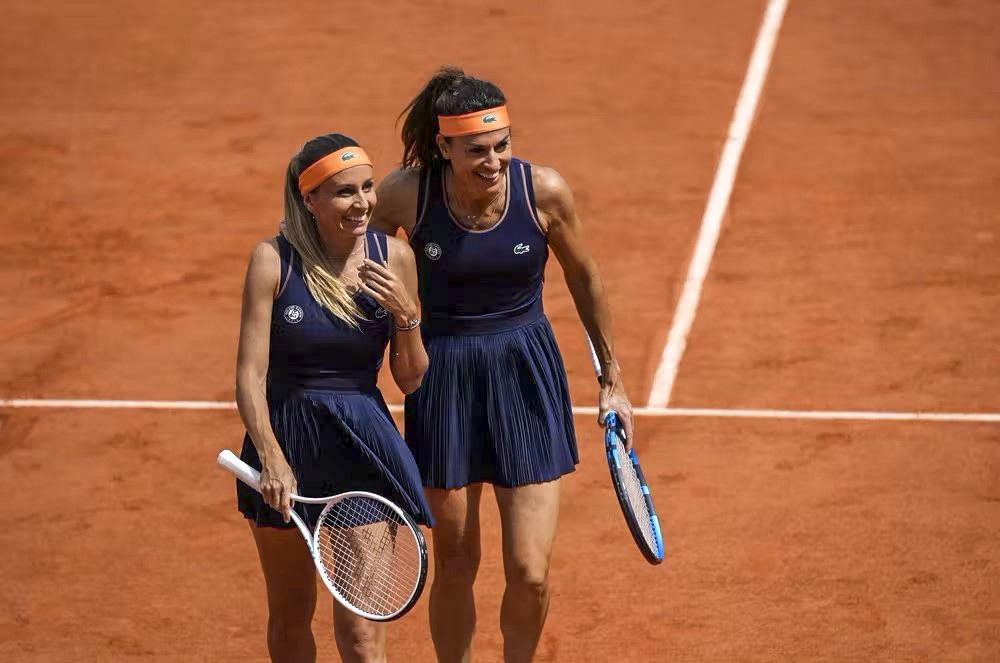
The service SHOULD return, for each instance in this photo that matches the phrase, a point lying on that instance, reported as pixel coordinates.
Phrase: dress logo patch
(380, 313)
(293, 314)
(432, 251)
(521, 248)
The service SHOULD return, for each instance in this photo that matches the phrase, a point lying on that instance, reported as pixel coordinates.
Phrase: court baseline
(723, 413)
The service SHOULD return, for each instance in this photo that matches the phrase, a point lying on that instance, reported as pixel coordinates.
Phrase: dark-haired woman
(494, 406)
(321, 301)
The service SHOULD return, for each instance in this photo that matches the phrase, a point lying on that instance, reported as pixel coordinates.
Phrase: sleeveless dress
(494, 404)
(327, 413)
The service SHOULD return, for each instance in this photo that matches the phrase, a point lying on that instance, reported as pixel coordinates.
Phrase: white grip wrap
(593, 356)
(243, 472)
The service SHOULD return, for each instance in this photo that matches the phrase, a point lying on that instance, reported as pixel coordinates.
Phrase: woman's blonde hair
(299, 228)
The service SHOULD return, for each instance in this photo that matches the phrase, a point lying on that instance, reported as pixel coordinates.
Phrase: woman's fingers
(370, 277)
(376, 291)
(271, 492)
(267, 493)
(627, 423)
(377, 267)
(619, 402)
(285, 502)
(277, 494)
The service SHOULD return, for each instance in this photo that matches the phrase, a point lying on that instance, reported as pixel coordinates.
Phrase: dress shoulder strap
(287, 253)
(529, 192)
(377, 246)
(424, 194)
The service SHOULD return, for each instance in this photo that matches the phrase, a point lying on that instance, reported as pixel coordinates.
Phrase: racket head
(632, 490)
(370, 554)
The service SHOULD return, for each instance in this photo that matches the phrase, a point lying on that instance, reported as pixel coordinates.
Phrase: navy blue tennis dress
(325, 408)
(494, 404)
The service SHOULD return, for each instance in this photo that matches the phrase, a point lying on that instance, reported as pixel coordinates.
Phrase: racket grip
(243, 472)
(594, 360)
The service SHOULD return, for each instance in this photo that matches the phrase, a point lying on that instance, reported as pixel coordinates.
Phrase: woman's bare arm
(557, 214)
(263, 274)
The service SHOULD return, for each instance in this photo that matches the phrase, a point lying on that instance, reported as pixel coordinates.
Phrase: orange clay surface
(142, 148)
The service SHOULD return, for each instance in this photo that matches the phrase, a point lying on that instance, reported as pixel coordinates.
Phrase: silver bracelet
(411, 323)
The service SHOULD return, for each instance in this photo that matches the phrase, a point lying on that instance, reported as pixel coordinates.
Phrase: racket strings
(369, 555)
(363, 580)
(635, 495)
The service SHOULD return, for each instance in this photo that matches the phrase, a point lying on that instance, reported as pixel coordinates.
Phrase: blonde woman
(320, 303)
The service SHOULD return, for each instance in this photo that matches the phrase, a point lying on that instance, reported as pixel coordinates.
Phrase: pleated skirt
(492, 408)
(336, 441)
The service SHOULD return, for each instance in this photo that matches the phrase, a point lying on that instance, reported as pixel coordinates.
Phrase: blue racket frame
(613, 429)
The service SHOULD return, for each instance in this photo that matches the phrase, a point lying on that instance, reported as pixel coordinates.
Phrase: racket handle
(600, 379)
(594, 360)
(243, 472)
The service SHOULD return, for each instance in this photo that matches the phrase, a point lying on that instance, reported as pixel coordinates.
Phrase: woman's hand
(388, 290)
(277, 483)
(613, 397)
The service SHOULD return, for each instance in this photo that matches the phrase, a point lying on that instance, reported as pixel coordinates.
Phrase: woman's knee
(290, 610)
(358, 639)
(289, 627)
(290, 578)
(458, 562)
(529, 578)
(457, 548)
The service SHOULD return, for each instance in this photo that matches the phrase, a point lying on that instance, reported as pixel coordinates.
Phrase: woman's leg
(358, 639)
(456, 561)
(290, 577)
(528, 516)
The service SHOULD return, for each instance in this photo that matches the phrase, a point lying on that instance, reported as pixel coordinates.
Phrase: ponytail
(449, 92)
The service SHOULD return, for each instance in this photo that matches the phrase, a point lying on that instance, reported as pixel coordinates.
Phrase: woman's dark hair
(448, 92)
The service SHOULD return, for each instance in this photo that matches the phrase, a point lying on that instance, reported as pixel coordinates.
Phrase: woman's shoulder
(397, 200)
(267, 249)
(264, 269)
(549, 186)
(399, 249)
(399, 182)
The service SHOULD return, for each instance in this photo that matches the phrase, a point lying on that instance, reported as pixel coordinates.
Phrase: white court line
(723, 413)
(718, 201)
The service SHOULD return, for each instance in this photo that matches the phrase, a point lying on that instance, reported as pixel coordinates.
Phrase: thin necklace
(342, 260)
(336, 261)
(471, 221)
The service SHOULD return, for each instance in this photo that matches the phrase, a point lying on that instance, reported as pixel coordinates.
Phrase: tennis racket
(629, 482)
(369, 553)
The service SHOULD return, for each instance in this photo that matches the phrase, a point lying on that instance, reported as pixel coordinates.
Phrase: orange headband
(330, 165)
(478, 122)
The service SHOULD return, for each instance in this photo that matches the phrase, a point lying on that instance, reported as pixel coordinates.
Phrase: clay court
(812, 512)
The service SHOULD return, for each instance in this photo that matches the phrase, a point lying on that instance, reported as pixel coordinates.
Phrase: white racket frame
(251, 477)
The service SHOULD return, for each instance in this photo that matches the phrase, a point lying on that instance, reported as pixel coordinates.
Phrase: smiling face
(479, 161)
(343, 203)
